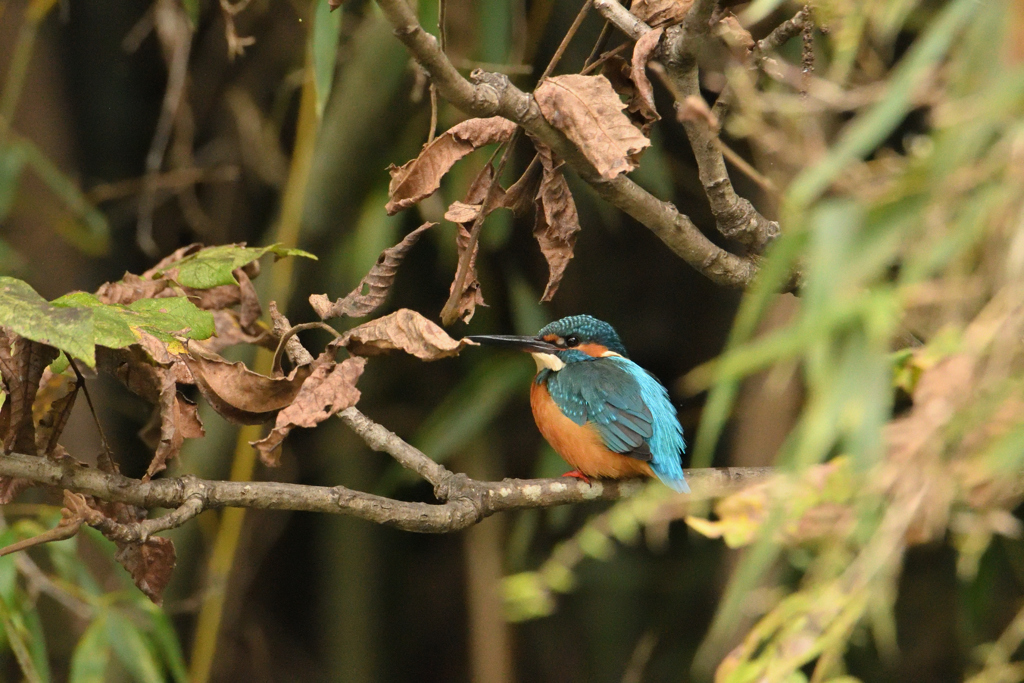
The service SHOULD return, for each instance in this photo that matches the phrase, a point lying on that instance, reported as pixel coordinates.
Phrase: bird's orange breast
(580, 445)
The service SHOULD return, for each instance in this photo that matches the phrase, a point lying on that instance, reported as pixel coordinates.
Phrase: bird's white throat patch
(548, 360)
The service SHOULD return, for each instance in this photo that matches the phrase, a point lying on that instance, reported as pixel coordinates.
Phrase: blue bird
(604, 414)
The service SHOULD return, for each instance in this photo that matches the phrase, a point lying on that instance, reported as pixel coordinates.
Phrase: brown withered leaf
(52, 407)
(557, 222)
(237, 393)
(131, 288)
(329, 390)
(22, 362)
(589, 112)
(644, 103)
(661, 12)
(465, 214)
(150, 564)
(174, 420)
(418, 179)
(373, 290)
(403, 330)
(521, 195)
(229, 332)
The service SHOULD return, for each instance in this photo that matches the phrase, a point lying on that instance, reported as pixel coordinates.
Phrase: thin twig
(567, 38)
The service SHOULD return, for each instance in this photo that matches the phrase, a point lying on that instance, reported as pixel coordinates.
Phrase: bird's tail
(675, 480)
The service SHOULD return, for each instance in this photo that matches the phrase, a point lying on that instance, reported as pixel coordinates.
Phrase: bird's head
(569, 340)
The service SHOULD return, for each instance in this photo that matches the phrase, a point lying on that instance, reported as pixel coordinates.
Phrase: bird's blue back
(630, 409)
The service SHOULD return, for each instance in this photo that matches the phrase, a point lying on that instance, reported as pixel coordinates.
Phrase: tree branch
(490, 94)
(466, 501)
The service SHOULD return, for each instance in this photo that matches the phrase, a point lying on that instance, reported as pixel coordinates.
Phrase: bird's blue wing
(630, 409)
(609, 396)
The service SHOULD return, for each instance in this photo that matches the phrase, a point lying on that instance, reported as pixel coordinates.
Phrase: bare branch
(466, 501)
(492, 94)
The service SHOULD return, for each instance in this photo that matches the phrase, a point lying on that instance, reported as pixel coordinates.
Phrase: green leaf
(324, 44)
(132, 650)
(118, 326)
(17, 637)
(32, 317)
(166, 639)
(92, 654)
(212, 266)
(37, 643)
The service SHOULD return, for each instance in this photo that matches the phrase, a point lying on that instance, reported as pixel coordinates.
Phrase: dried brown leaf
(373, 289)
(403, 330)
(329, 390)
(239, 394)
(421, 177)
(521, 195)
(642, 51)
(661, 12)
(174, 420)
(465, 214)
(557, 220)
(150, 564)
(22, 362)
(229, 332)
(131, 288)
(52, 407)
(589, 112)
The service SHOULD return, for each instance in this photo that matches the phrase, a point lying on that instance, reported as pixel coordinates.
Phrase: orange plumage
(580, 445)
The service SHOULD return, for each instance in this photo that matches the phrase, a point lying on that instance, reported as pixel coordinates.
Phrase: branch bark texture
(463, 501)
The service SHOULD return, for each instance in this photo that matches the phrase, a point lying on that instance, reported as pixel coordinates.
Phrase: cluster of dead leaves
(161, 332)
(587, 109)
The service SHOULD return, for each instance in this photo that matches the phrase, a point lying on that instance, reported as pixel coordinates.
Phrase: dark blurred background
(312, 597)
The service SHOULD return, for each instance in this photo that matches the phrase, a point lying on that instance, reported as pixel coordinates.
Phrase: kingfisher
(604, 414)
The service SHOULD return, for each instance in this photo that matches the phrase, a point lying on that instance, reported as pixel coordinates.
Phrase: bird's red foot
(576, 474)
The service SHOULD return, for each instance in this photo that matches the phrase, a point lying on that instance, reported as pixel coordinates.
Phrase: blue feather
(629, 407)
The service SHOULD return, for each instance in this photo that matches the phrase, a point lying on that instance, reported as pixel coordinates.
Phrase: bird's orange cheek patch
(595, 350)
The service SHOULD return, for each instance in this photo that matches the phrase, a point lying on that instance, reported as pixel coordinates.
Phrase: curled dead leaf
(403, 330)
(589, 112)
(418, 179)
(150, 564)
(330, 389)
(373, 289)
(557, 222)
(22, 363)
(239, 394)
(642, 52)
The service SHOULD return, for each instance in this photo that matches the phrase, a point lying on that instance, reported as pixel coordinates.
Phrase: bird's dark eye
(572, 340)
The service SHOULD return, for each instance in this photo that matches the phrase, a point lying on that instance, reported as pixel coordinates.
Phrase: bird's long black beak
(511, 341)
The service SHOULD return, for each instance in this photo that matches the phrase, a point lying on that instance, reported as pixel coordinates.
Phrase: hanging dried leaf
(642, 51)
(150, 565)
(329, 390)
(239, 394)
(403, 330)
(661, 12)
(174, 419)
(22, 362)
(52, 407)
(373, 289)
(557, 221)
(521, 195)
(589, 112)
(229, 332)
(418, 179)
